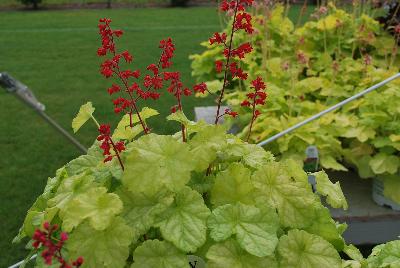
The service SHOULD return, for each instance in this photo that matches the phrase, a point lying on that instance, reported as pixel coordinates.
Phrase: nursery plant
(138, 199)
(308, 69)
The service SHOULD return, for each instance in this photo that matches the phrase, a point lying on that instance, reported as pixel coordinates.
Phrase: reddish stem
(180, 109)
(117, 154)
(227, 64)
(253, 118)
(133, 102)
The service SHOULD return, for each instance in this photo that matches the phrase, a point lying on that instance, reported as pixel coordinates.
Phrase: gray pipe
(334, 107)
(23, 93)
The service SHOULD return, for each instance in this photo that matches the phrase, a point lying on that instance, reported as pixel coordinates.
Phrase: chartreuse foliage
(233, 206)
(310, 68)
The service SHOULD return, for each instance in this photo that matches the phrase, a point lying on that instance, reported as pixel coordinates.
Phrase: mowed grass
(54, 53)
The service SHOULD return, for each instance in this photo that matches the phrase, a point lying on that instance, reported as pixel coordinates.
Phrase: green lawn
(54, 53)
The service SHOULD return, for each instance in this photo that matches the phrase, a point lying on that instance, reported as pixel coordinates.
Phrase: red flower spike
(52, 247)
(168, 48)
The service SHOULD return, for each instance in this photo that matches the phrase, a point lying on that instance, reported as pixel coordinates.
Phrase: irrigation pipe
(332, 108)
(23, 93)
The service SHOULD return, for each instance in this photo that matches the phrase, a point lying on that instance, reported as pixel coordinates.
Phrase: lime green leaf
(362, 133)
(105, 248)
(324, 226)
(382, 163)
(353, 252)
(184, 223)
(394, 138)
(250, 154)
(69, 188)
(230, 254)
(233, 185)
(391, 187)
(158, 254)
(140, 210)
(385, 255)
(255, 228)
(214, 86)
(293, 200)
(328, 23)
(206, 143)
(85, 113)
(96, 205)
(299, 249)
(125, 131)
(180, 117)
(158, 161)
(35, 219)
(191, 126)
(328, 162)
(295, 170)
(332, 191)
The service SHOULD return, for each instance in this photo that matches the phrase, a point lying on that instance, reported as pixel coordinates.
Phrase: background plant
(310, 68)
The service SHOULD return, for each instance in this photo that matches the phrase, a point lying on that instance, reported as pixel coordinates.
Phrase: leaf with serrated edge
(160, 161)
(84, 114)
(184, 223)
(107, 248)
(158, 254)
(230, 254)
(332, 191)
(385, 255)
(96, 205)
(299, 249)
(233, 185)
(294, 200)
(69, 188)
(140, 209)
(205, 145)
(255, 229)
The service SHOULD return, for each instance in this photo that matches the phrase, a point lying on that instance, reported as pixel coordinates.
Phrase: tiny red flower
(218, 66)
(101, 51)
(128, 57)
(201, 88)
(187, 92)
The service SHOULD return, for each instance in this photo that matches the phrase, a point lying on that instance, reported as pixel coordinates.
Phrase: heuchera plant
(138, 199)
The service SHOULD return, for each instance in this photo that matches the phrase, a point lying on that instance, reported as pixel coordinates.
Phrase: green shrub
(179, 3)
(34, 3)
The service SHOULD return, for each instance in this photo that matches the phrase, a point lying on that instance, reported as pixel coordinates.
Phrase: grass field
(54, 53)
